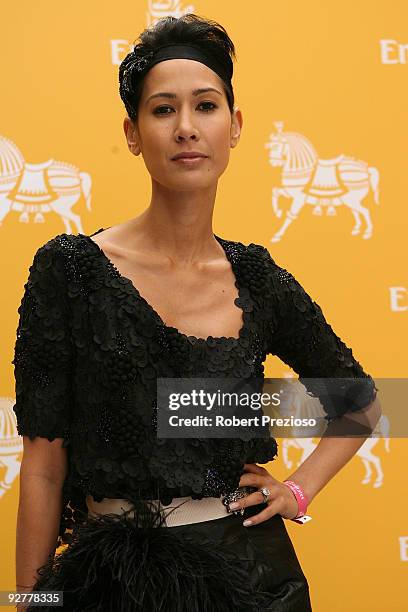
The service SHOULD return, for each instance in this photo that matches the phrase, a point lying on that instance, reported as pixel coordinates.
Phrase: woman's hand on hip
(280, 501)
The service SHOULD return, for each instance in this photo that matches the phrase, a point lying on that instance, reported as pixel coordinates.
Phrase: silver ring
(265, 493)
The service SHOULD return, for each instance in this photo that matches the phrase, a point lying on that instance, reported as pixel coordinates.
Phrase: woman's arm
(44, 363)
(297, 332)
(333, 451)
(42, 475)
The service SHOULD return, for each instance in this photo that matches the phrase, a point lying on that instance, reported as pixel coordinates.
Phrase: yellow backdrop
(319, 178)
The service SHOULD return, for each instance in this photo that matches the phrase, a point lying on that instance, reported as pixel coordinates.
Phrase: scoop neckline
(169, 328)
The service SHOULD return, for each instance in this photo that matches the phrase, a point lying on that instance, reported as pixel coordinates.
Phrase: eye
(157, 111)
(209, 109)
(160, 108)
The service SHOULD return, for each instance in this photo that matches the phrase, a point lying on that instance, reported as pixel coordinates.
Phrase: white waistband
(181, 511)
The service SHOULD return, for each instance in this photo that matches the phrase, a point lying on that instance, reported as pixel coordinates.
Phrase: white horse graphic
(323, 183)
(36, 189)
(165, 8)
(11, 445)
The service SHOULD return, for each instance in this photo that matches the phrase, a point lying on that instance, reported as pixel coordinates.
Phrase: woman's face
(181, 119)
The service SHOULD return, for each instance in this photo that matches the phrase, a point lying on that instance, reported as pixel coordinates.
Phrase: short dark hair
(190, 28)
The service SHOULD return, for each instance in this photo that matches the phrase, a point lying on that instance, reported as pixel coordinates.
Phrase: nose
(181, 138)
(185, 128)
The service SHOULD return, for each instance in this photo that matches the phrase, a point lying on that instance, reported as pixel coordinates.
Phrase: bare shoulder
(105, 234)
(114, 239)
(122, 245)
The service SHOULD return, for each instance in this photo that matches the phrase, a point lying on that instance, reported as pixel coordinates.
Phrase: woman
(149, 522)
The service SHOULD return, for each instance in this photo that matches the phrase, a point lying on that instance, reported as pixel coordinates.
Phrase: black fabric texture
(89, 349)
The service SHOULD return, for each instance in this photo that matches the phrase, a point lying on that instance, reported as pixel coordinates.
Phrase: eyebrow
(195, 92)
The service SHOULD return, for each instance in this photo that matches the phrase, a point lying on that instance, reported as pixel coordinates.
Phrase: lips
(188, 155)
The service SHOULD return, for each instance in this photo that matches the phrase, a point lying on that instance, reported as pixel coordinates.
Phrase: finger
(253, 499)
(254, 468)
(251, 480)
(271, 510)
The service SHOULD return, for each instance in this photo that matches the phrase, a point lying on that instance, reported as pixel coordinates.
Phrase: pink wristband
(300, 498)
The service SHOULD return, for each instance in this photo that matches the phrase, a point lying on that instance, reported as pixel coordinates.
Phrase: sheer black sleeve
(43, 352)
(298, 333)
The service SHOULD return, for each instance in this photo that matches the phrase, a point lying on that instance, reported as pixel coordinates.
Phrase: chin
(187, 182)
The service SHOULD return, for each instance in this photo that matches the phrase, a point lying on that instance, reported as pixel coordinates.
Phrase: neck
(179, 225)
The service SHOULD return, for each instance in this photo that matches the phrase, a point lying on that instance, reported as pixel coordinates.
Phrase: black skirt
(114, 564)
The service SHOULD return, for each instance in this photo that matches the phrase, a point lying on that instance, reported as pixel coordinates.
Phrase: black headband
(142, 63)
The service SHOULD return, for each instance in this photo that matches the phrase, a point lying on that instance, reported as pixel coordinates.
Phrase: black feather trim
(125, 563)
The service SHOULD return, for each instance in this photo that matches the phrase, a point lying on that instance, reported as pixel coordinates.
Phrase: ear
(132, 136)
(236, 126)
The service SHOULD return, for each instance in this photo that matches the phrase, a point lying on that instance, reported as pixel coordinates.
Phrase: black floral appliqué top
(90, 348)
